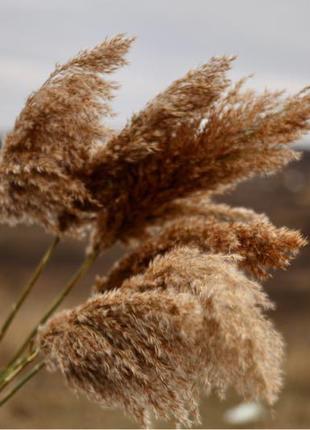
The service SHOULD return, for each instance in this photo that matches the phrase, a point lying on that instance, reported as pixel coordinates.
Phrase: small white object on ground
(244, 413)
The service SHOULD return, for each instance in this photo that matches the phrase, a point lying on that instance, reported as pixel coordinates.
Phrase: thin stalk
(26, 291)
(9, 376)
(22, 382)
(88, 262)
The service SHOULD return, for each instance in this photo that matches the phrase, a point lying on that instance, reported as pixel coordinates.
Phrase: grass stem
(9, 376)
(22, 382)
(16, 360)
(28, 288)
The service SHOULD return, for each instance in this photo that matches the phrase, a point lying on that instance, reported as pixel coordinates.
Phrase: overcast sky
(271, 38)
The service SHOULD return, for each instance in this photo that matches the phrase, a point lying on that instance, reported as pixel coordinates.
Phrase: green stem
(63, 294)
(22, 382)
(26, 291)
(9, 376)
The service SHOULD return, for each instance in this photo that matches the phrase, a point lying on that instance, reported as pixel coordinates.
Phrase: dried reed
(131, 350)
(182, 307)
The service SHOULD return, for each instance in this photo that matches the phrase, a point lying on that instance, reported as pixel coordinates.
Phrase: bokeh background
(271, 39)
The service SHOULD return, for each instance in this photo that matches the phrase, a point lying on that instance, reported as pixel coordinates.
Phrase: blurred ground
(47, 403)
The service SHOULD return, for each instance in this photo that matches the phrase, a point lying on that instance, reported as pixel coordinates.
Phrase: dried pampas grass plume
(55, 138)
(214, 228)
(236, 135)
(131, 350)
(239, 346)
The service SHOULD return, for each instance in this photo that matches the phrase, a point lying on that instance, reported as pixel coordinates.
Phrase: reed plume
(239, 346)
(236, 135)
(131, 350)
(54, 139)
(215, 228)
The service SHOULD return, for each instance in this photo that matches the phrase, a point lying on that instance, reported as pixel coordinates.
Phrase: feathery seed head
(239, 346)
(131, 350)
(55, 138)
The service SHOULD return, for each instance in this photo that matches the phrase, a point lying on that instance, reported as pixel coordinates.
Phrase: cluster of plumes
(182, 306)
(61, 167)
(191, 320)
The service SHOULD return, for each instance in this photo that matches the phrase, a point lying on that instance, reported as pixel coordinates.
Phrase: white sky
(271, 38)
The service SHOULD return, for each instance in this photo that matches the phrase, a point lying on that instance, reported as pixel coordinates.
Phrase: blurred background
(271, 39)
